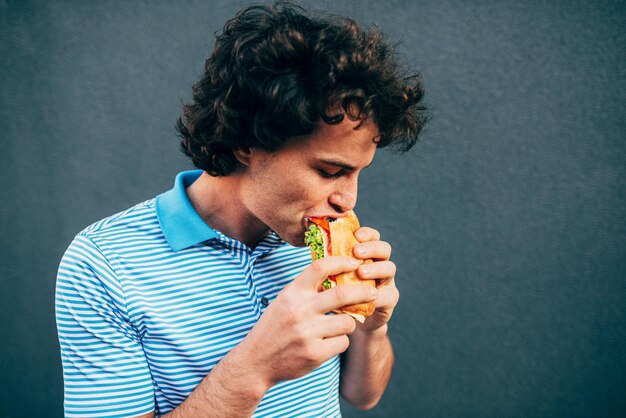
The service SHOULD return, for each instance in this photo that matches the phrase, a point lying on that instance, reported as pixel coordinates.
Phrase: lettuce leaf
(313, 238)
(328, 284)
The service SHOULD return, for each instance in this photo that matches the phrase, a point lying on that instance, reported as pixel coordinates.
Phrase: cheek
(297, 195)
(290, 192)
(300, 188)
(282, 195)
(311, 190)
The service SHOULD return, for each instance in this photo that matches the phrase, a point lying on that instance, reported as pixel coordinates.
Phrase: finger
(365, 233)
(379, 270)
(344, 295)
(320, 269)
(336, 324)
(387, 298)
(377, 250)
(332, 346)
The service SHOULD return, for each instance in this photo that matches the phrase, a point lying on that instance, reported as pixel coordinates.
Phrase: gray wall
(508, 220)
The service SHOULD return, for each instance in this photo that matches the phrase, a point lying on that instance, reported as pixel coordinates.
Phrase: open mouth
(312, 219)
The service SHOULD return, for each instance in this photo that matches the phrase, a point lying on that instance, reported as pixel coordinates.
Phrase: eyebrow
(340, 164)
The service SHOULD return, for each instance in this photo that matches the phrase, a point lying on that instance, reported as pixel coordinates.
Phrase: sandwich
(331, 237)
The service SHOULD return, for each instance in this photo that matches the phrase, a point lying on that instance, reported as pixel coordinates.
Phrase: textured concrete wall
(508, 220)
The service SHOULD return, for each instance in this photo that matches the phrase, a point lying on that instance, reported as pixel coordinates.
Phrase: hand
(382, 270)
(294, 335)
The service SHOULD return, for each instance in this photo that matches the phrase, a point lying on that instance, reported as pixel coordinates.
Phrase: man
(203, 302)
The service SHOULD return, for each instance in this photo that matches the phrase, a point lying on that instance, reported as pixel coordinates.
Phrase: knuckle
(393, 268)
(292, 315)
(299, 337)
(396, 295)
(366, 233)
(344, 343)
(317, 267)
(341, 293)
(309, 353)
(349, 324)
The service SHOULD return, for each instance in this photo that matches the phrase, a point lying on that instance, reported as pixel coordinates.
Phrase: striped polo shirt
(149, 300)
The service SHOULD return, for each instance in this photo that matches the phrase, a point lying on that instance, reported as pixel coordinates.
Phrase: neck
(218, 202)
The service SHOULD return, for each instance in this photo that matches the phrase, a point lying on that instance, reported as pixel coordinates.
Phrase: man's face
(312, 175)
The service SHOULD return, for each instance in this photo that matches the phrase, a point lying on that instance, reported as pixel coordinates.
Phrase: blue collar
(181, 224)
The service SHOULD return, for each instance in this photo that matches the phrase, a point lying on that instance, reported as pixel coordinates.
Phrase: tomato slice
(322, 223)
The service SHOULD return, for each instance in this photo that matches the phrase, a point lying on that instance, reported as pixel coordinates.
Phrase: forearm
(366, 368)
(230, 389)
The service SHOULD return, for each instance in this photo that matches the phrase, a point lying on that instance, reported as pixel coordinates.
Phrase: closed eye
(328, 175)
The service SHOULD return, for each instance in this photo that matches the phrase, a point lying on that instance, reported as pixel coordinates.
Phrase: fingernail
(365, 270)
(360, 250)
(354, 262)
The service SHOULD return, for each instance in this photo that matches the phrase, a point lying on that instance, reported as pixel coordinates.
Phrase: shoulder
(132, 218)
(121, 231)
(92, 258)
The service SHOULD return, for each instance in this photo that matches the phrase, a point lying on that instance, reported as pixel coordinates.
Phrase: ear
(243, 155)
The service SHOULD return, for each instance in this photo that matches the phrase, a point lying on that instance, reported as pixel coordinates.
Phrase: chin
(297, 241)
(293, 238)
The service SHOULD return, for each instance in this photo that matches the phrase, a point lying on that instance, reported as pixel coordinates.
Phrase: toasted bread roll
(342, 243)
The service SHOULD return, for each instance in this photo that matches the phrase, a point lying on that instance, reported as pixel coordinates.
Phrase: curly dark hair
(276, 72)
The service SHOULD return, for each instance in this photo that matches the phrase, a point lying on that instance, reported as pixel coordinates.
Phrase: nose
(344, 197)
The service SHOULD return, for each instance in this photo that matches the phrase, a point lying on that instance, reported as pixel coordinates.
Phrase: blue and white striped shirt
(149, 300)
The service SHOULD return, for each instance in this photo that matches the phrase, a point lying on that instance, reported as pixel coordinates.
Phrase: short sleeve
(105, 371)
